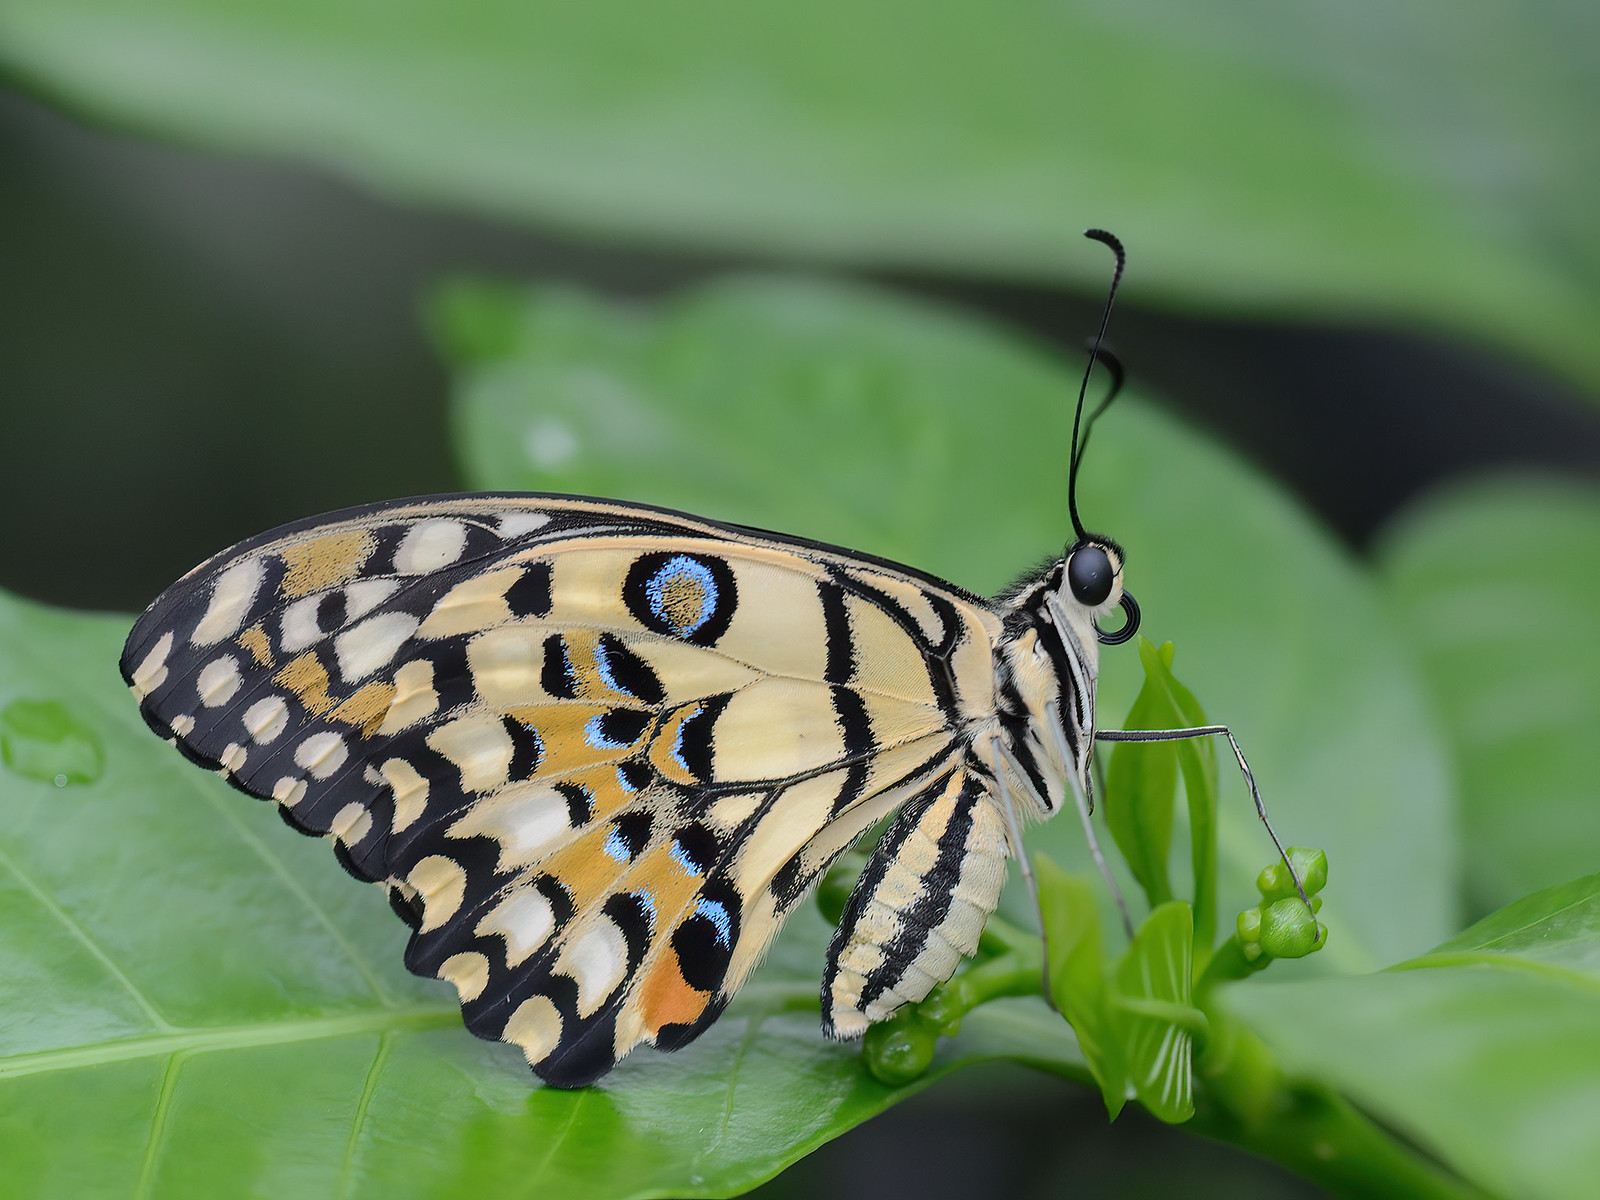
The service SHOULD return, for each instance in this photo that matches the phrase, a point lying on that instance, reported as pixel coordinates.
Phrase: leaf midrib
(231, 1037)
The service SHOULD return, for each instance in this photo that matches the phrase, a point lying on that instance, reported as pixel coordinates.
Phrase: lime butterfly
(597, 752)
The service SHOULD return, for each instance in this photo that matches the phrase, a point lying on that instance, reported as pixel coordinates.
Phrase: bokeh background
(1362, 257)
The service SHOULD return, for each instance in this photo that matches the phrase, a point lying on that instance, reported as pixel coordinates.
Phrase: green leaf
(1139, 788)
(1141, 781)
(1151, 1014)
(196, 1002)
(1484, 1052)
(1354, 161)
(1496, 582)
(1078, 975)
(1559, 926)
(896, 428)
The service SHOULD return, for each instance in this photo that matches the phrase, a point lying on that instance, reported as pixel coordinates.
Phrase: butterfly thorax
(1045, 665)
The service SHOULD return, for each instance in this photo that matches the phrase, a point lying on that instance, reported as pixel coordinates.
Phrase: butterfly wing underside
(595, 752)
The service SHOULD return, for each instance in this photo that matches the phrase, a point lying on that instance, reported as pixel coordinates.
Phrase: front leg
(1175, 735)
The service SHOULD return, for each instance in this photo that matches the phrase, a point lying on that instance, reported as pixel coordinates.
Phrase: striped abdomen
(919, 907)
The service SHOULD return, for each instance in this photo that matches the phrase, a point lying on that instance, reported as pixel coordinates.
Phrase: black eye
(1089, 575)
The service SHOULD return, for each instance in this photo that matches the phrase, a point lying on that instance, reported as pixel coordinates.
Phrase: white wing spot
(152, 672)
(410, 792)
(289, 791)
(232, 758)
(597, 961)
(266, 719)
(469, 971)
(183, 724)
(524, 822)
(298, 626)
(535, 1026)
(321, 754)
(351, 823)
(525, 919)
(479, 747)
(430, 546)
(372, 644)
(219, 681)
(441, 883)
(515, 524)
(414, 697)
(231, 598)
(364, 595)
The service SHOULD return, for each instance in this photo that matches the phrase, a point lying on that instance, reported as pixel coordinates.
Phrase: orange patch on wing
(255, 640)
(322, 562)
(666, 998)
(562, 729)
(307, 678)
(366, 707)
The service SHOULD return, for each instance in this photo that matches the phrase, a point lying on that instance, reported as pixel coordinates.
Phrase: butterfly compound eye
(1090, 575)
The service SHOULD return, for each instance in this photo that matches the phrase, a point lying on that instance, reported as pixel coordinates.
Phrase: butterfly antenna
(1113, 366)
(1109, 239)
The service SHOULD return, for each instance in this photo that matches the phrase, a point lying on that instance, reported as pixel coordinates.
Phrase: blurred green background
(1362, 258)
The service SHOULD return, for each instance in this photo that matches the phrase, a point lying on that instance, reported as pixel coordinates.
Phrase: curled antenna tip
(1075, 452)
(1107, 238)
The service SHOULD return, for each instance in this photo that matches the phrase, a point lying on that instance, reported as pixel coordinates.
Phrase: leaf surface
(1497, 583)
(197, 1003)
(1484, 1051)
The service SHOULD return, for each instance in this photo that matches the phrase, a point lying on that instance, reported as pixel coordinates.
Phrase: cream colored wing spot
(786, 827)
(321, 754)
(887, 660)
(515, 524)
(351, 823)
(506, 665)
(778, 622)
(363, 648)
(441, 883)
(473, 604)
(231, 597)
(536, 1027)
(596, 959)
(266, 719)
(183, 724)
(232, 758)
(746, 741)
(298, 627)
(478, 746)
(151, 672)
(410, 792)
(289, 791)
(527, 819)
(414, 697)
(914, 601)
(218, 681)
(430, 546)
(469, 971)
(524, 919)
(364, 595)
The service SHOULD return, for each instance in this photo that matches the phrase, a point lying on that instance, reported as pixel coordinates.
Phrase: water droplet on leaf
(41, 739)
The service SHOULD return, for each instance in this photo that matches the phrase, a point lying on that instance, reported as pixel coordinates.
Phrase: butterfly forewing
(597, 752)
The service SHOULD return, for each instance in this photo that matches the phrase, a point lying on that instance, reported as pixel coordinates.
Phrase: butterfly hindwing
(597, 752)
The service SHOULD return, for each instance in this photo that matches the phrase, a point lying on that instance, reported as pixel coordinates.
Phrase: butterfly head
(1048, 661)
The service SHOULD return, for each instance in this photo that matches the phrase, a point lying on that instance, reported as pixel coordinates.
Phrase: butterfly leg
(1174, 735)
(1085, 808)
